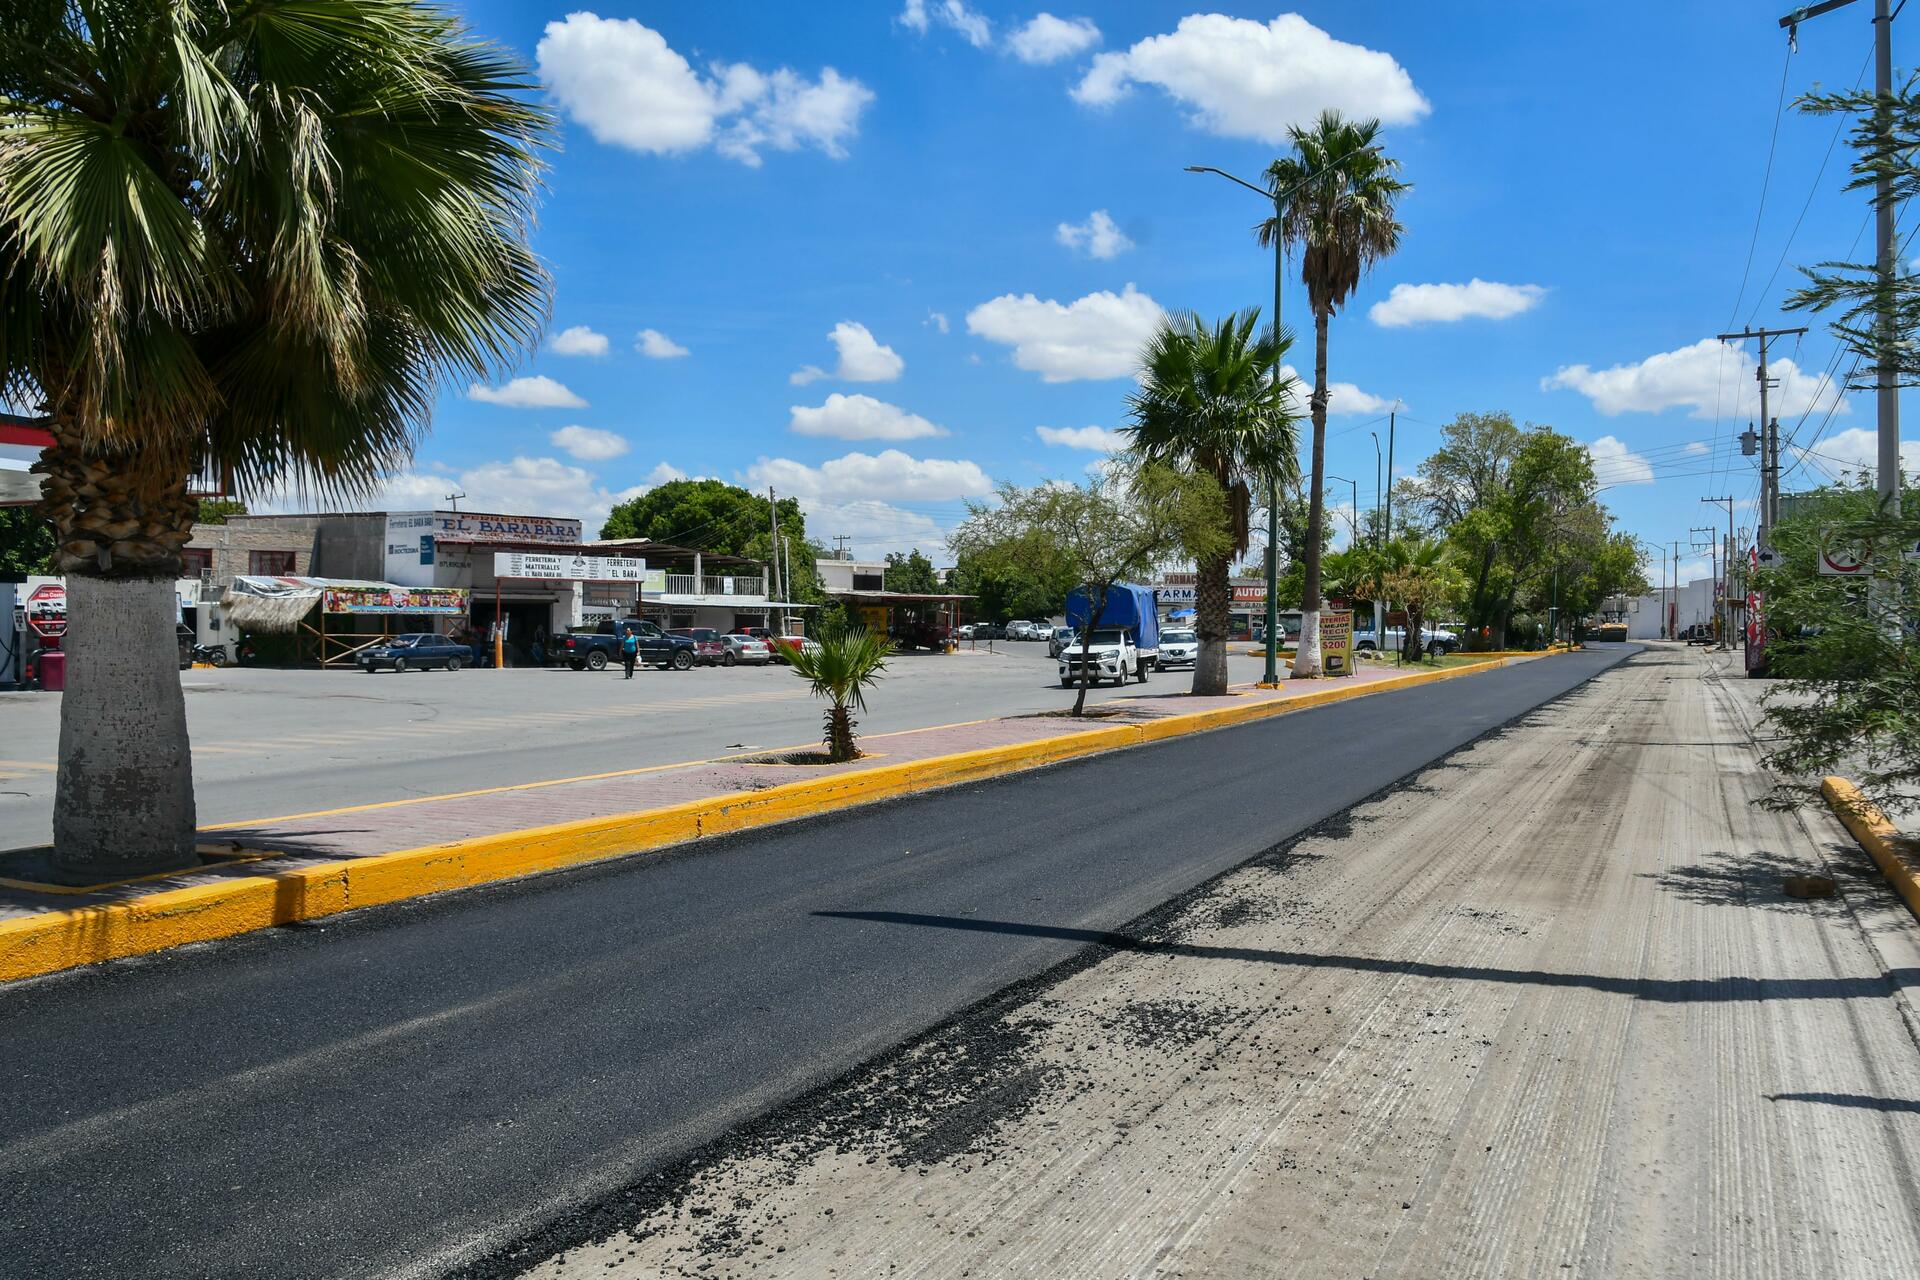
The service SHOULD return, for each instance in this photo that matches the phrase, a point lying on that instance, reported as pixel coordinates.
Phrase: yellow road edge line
(55, 940)
(1877, 835)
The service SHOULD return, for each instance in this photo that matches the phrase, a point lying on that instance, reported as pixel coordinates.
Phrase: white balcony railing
(687, 584)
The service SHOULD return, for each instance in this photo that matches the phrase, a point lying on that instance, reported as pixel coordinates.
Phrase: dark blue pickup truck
(593, 648)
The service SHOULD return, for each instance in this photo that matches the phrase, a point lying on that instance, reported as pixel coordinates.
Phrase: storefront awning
(277, 604)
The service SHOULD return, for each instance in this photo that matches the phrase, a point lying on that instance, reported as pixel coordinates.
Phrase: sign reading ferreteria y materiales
(565, 568)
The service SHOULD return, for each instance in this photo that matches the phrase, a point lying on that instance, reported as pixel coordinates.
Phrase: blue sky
(842, 226)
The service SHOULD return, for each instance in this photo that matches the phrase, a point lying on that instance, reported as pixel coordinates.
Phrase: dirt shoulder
(1543, 1009)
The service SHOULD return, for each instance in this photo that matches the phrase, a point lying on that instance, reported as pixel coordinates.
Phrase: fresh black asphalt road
(407, 1089)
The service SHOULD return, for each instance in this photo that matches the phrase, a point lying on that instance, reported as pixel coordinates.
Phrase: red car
(780, 646)
(708, 648)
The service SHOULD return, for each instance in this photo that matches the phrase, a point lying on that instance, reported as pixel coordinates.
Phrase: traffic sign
(1841, 558)
(47, 610)
(1767, 558)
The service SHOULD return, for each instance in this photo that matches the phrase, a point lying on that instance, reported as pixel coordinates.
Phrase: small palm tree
(1420, 575)
(1340, 215)
(842, 665)
(1208, 404)
(248, 240)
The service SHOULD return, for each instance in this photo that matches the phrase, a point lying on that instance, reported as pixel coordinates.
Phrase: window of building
(270, 564)
(614, 595)
(196, 562)
(869, 582)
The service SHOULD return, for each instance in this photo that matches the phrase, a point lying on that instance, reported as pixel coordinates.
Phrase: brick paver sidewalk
(369, 830)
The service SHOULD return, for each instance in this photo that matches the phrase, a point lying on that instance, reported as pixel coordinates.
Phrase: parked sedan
(709, 650)
(1178, 649)
(750, 651)
(417, 651)
(988, 631)
(1061, 639)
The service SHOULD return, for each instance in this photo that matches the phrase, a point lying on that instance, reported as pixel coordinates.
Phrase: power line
(1766, 180)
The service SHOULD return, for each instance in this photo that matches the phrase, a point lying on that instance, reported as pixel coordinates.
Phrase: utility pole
(1886, 388)
(1392, 415)
(1725, 611)
(1713, 564)
(840, 541)
(773, 523)
(454, 499)
(1675, 611)
(1770, 445)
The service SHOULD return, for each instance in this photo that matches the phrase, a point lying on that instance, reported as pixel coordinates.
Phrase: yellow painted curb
(57, 940)
(1877, 836)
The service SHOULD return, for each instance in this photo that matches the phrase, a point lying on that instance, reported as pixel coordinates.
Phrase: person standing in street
(629, 650)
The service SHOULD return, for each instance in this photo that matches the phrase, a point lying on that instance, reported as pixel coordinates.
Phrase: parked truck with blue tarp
(1122, 642)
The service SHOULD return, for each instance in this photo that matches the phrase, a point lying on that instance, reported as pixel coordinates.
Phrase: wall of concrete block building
(329, 546)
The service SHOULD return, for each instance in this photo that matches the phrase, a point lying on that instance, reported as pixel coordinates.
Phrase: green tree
(1208, 405)
(216, 510)
(1110, 530)
(1850, 699)
(1337, 194)
(26, 542)
(1878, 316)
(254, 239)
(712, 515)
(1511, 502)
(1419, 575)
(843, 665)
(912, 572)
(1004, 591)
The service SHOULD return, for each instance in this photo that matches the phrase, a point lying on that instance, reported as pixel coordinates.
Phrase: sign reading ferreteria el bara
(566, 568)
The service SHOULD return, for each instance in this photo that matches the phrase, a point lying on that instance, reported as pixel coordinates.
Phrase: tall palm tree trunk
(1213, 598)
(123, 799)
(1306, 659)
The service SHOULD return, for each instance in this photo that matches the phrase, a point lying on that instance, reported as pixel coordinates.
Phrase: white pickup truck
(1111, 656)
(1434, 641)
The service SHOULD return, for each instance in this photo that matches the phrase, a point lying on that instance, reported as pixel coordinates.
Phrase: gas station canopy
(21, 440)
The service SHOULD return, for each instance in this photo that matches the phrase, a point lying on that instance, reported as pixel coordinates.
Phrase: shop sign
(1176, 595)
(564, 568)
(47, 610)
(1250, 595)
(1336, 642)
(384, 599)
(476, 527)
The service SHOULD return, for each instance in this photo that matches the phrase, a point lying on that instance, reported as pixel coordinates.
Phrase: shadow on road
(1657, 990)
(1865, 1102)
(1723, 878)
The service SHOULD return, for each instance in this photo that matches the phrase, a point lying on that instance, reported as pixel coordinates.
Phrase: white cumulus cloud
(1102, 439)
(1614, 463)
(862, 358)
(888, 476)
(1444, 303)
(1857, 449)
(1098, 237)
(623, 83)
(1342, 397)
(860, 418)
(1245, 79)
(578, 341)
(656, 345)
(589, 444)
(1098, 336)
(537, 392)
(1707, 377)
(973, 28)
(1045, 38)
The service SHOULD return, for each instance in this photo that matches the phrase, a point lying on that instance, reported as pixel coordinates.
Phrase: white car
(1019, 630)
(1178, 649)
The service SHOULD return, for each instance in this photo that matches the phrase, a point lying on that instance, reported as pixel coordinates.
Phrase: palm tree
(1337, 194)
(251, 241)
(1208, 403)
(842, 666)
(1420, 574)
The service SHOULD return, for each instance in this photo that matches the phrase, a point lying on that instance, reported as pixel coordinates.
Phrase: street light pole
(1271, 680)
(1353, 520)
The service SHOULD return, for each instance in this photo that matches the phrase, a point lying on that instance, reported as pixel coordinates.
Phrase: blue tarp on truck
(1127, 605)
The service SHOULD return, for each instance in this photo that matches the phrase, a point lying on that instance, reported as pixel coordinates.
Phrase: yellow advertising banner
(1336, 642)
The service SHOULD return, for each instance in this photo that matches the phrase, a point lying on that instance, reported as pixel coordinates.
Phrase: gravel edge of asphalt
(672, 1180)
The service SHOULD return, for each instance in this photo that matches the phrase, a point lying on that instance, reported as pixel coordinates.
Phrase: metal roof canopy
(901, 597)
